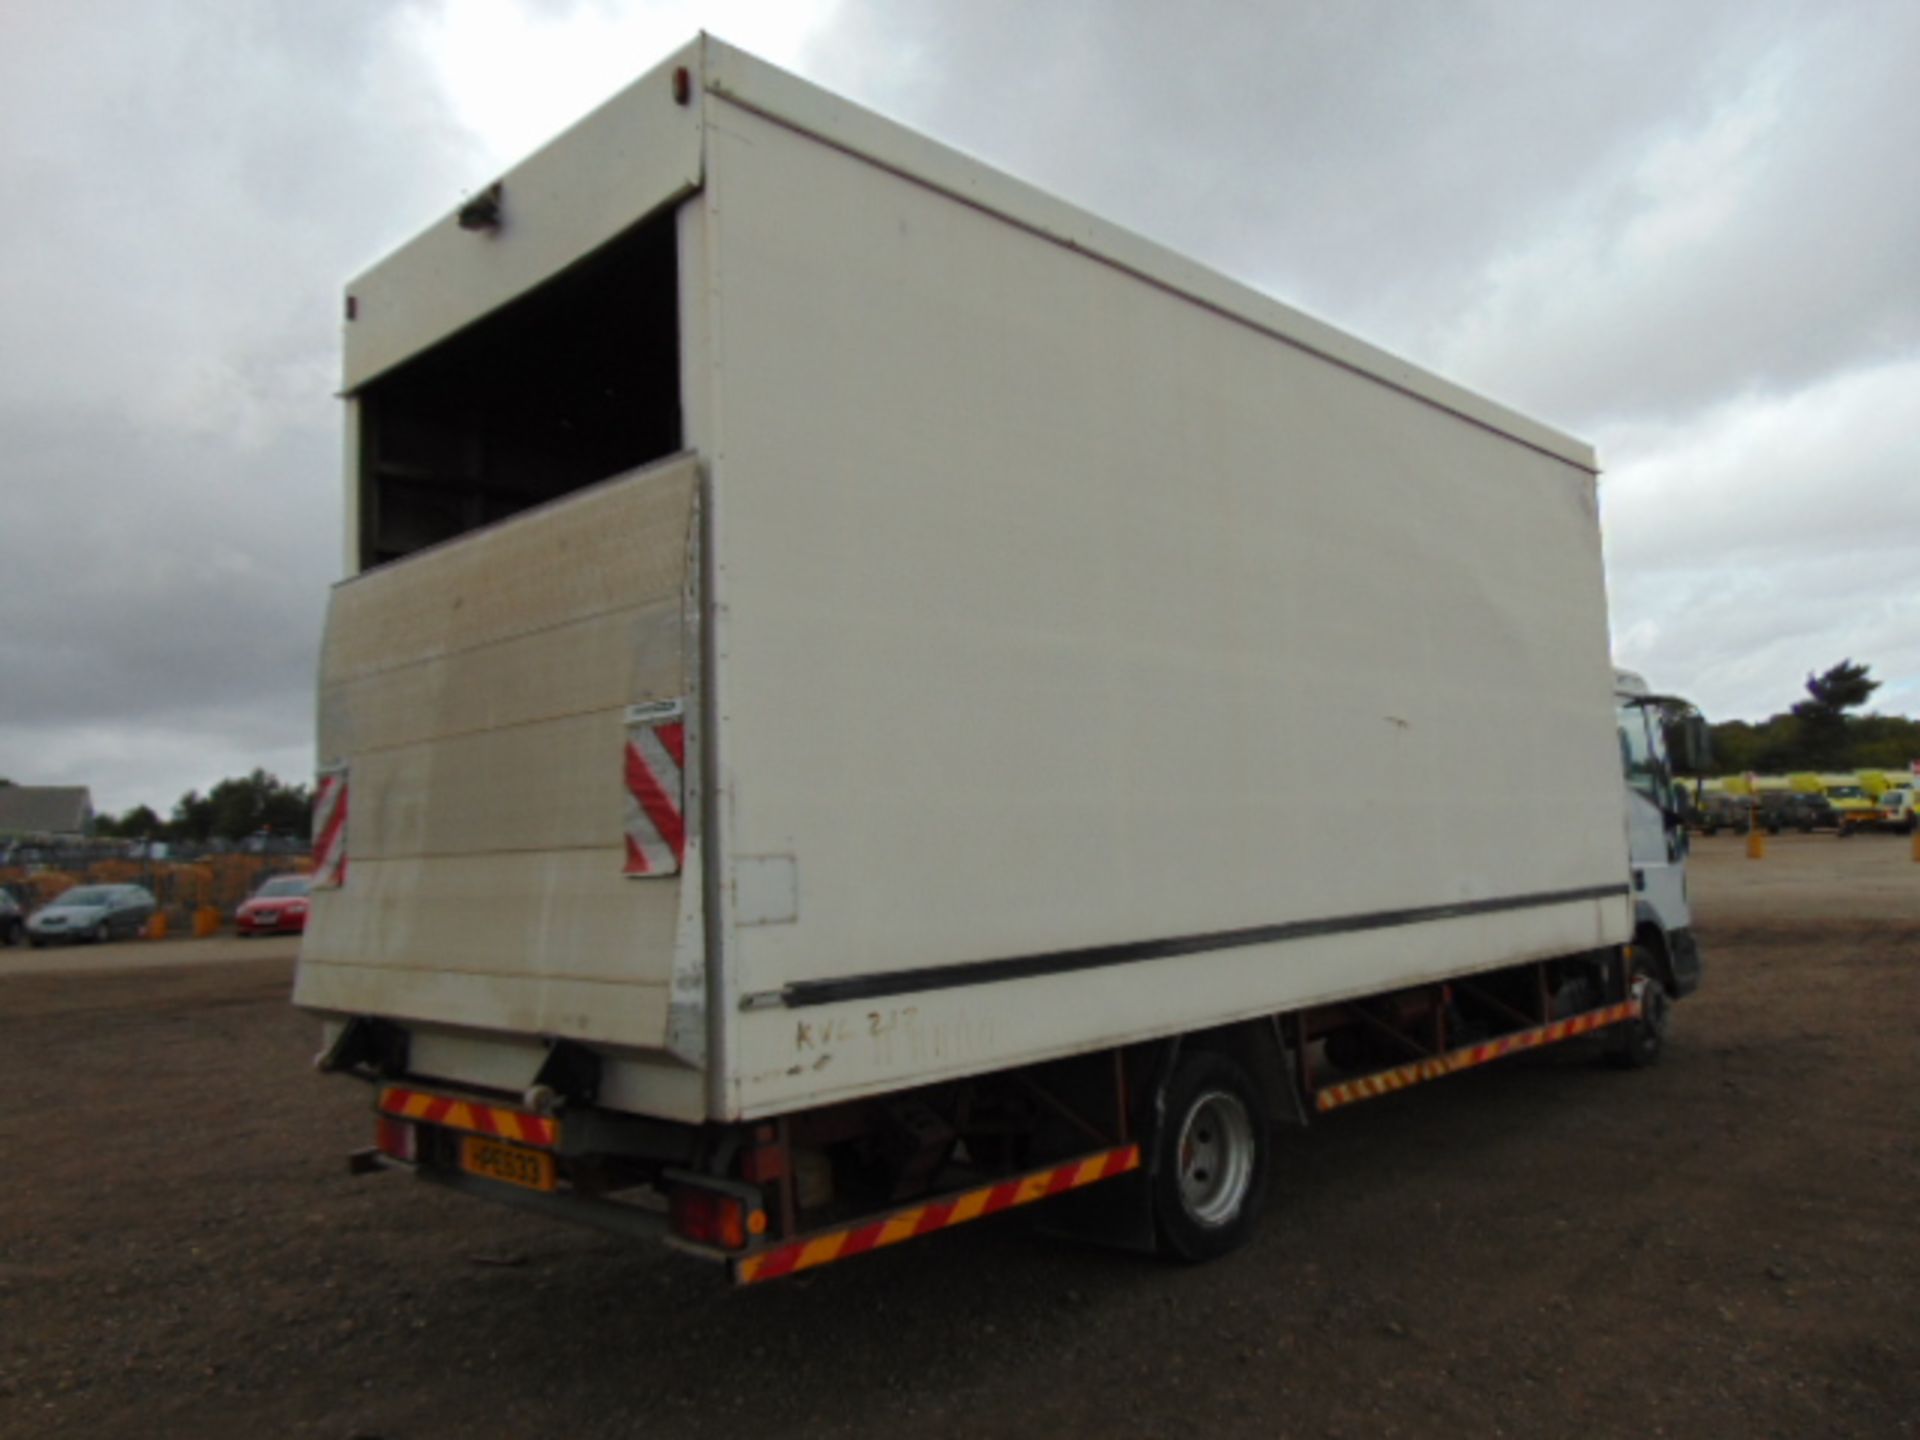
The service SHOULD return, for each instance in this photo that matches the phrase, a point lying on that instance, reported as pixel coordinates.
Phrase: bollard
(1756, 843)
(206, 921)
(157, 925)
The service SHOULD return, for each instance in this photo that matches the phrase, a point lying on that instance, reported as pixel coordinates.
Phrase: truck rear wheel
(1212, 1154)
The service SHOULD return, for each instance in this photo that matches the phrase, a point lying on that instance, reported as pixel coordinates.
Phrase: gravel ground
(1728, 1244)
(143, 955)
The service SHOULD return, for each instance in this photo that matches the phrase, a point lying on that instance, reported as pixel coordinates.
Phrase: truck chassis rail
(1399, 1077)
(763, 1258)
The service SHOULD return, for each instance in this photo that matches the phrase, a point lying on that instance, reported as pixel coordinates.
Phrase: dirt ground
(1725, 1245)
(142, 955)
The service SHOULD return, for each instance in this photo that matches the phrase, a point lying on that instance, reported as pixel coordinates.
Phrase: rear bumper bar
(470, 1116)
(631, 1222)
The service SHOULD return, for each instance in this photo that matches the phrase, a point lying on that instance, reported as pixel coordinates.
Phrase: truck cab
(1652, 728)
(1852, 806)
(1896, 809)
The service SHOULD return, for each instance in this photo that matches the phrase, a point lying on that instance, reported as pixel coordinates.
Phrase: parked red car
(278, 907)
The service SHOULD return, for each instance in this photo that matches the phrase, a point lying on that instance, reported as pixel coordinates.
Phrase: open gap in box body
(574, 382)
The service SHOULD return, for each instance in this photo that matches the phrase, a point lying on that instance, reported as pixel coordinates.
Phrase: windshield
(1645, 769)
(1846, 792)
(87, 895)
(284, 885)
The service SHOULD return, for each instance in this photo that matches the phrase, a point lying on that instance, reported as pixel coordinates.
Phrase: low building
(45, 812)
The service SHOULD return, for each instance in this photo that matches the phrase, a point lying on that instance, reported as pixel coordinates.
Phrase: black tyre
(1211, 1158)
(1642, 1041)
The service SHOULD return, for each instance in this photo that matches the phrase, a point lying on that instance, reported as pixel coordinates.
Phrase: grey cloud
(1778, 248)
(1744, 637)
(1684, 231)
(191, 188)
(167, 576)
(1459, 181)
(1355, 158)
(1770, 537)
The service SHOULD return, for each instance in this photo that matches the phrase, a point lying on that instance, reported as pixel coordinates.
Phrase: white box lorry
(866, 696)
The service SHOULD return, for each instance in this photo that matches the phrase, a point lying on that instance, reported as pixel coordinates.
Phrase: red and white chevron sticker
(330, 829)
(656, 788)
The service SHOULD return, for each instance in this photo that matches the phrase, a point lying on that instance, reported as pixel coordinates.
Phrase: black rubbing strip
(803, 993)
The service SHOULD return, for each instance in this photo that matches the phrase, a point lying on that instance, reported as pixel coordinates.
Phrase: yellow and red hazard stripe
(330, 830)
(843, 1244)
(656, 828)
(469, 1115)
(1332, 1097)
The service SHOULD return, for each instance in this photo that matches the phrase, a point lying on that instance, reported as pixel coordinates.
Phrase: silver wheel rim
(1655, 1009)
(1215, 1157)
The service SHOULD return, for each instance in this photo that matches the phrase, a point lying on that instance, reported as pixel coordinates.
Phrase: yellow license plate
(513, 1164)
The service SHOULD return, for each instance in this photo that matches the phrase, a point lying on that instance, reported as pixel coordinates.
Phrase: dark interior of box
(571, 383)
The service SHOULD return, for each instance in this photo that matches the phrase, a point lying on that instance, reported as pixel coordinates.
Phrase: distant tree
(192, 818)
(1735, 744)
(1818, 734)
(1778, 745)
(1822, 715)
(1843, 687)
(1766, 747)
(1882, 742)
(238, 807)
(139, 823)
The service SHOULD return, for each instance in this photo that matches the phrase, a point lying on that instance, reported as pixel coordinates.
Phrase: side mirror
(1690, 744)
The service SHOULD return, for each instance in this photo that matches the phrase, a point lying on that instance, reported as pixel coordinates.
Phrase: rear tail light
(764, 1163)
(715, 1217)
(398, 1138)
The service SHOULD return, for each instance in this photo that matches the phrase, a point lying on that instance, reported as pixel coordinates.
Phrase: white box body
(1077, 647)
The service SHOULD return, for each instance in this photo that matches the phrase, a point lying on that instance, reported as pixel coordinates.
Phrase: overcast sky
(1688, 232)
